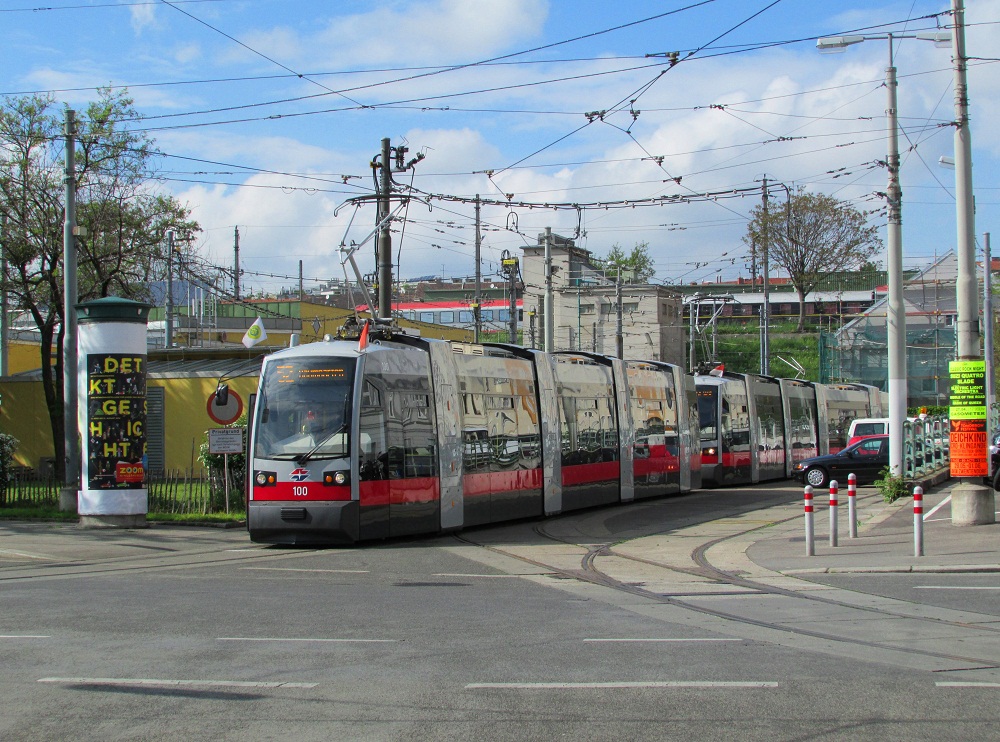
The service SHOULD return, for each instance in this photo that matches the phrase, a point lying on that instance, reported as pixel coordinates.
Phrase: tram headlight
(336, 478)
(265, 478)
(710, 451)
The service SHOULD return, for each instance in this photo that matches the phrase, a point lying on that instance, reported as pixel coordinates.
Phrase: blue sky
(269, 112)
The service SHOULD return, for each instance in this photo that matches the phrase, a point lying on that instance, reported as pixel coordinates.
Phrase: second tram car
(408, 436)
(755, 428)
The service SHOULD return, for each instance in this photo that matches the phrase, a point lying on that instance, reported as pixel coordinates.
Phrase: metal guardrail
(925, 446)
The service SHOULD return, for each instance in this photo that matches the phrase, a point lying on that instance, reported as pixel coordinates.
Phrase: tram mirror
(222, 395)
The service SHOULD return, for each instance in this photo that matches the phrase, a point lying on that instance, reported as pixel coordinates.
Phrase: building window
(586, 309)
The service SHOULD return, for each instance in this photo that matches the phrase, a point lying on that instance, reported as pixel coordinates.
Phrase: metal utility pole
(4, 328)
(236, 262)
(510, 267)
(549, 310)
(71, 449)
(168, 310)
(988, 331)
(968, 310)
(384, 237)
(896, 309)
(476, 315)
(765, 314)
(972, 503)
(619, 337)
(302, 293)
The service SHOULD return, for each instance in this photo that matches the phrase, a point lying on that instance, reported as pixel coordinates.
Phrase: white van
(866, 427)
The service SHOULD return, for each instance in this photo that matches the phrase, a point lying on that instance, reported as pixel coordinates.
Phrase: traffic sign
(225, 440)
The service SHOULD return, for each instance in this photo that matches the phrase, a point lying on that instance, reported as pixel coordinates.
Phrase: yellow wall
(23, 357)
(23, 414)
(186, 415)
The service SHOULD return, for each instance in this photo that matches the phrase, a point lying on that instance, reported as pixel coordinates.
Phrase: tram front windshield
(708, 406)
(304, 409)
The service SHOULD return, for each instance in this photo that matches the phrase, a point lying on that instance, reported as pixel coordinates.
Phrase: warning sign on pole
(968, 442)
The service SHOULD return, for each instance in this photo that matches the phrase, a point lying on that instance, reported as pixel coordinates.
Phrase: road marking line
(25, 555)
(24, 636)
(630, 684)
(303, 639)
(937, 507)
(296, 569)
(948, 587)
(968, 684)
(678, 639)
(162, 682)
(458, 574)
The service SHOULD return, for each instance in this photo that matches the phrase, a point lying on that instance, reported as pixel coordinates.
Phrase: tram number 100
(300, 491)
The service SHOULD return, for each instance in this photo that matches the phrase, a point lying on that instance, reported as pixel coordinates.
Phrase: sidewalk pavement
(885, 541)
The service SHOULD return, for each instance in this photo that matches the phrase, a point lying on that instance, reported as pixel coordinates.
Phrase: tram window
(487, 315)
(447, 318)
(466, 318)
(427, 317)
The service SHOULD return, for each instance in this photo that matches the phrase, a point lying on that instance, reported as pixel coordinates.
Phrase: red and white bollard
(918, 521)
(852, 513)
(833, 512)
(810, 545)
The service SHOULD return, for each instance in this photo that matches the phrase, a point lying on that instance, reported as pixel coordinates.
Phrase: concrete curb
(914, 569)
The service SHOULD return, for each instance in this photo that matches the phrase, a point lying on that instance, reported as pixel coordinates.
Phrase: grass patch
(53, 513)
(37, 512)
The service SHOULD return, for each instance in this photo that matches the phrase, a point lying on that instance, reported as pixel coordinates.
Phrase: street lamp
(896, 311)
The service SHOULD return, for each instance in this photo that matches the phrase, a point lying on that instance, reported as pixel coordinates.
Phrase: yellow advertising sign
(967, 411)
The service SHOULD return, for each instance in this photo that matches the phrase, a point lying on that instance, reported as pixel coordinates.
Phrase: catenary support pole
(549, 316)
(68, 496)
(385, 236)
(896, 311)
(477, 310)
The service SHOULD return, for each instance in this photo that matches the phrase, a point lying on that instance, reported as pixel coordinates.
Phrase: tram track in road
(590, 572)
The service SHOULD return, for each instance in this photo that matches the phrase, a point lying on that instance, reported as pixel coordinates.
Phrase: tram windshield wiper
(311, 453)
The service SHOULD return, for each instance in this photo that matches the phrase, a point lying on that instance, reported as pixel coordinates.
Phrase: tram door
(501, 439)
(398, 461)
(588, 423)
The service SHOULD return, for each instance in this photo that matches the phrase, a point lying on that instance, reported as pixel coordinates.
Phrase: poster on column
(968, 440)
(116, 421)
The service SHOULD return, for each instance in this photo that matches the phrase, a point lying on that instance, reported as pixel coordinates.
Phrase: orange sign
(968, 444)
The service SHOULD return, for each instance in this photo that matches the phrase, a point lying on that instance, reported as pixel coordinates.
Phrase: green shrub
(891, 487)
(214, 463)
(8, 444)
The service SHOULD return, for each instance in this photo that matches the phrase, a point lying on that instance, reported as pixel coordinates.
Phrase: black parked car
(865, 459)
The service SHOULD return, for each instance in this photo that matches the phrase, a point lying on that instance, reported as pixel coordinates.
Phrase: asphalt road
(599, 625)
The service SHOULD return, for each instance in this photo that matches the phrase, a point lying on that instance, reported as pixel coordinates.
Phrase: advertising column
(112, 412)
(971, 503)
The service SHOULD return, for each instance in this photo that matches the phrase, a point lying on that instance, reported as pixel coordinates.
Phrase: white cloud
(143, 17)
(431, 32)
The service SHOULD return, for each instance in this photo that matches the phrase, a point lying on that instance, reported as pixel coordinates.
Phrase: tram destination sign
(225, 440)
(967, 412)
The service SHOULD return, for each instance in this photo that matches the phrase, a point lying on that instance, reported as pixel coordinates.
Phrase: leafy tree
(814, 235)
(637, 266)
(121, 248)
